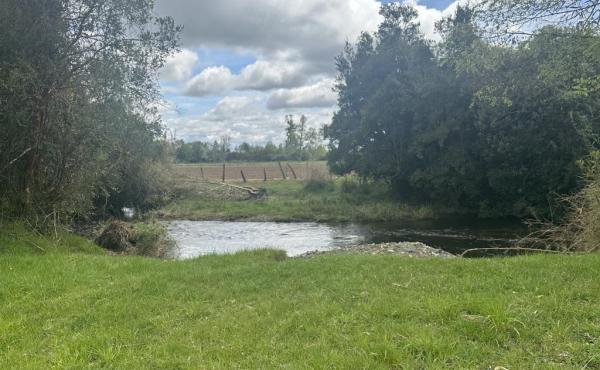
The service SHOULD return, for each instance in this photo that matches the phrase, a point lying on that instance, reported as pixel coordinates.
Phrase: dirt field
(253, 171)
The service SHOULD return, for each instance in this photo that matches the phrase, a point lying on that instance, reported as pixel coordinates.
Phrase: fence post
(282, 171)
(223, 172)
(265, 172)
(202, 173)
(293, 172)
(243, 176)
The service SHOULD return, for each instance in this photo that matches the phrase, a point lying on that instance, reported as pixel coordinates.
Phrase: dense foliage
(302, 143)
(466, 122)
(77, 87)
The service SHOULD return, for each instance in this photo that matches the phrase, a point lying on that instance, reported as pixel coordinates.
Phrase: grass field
(73, 307)
(254, 171)
(291, 201)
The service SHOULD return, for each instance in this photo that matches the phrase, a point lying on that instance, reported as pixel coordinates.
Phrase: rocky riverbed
(410, 249)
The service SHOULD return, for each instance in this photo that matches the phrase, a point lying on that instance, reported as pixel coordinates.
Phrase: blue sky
(245, 64)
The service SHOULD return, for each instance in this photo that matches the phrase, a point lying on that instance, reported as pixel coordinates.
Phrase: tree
(76, 76)
(468, 124)
(524, 17)
(292, 140)
(387, 127)
(301, 132)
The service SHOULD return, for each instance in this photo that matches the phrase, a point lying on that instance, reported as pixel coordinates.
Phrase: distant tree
(244, 148)
(312, 147)
(302, 132)
(292, 141)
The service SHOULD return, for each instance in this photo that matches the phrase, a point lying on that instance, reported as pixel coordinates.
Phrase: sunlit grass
(259, 310)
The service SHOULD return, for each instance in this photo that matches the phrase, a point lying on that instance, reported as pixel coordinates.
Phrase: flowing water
(198, 238)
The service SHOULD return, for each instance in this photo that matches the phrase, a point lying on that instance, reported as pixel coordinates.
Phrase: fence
(249, 172)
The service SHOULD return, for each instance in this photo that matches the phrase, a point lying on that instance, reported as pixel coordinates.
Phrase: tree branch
(16, 159)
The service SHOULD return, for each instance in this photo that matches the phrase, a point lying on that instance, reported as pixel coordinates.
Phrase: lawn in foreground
(258, 310)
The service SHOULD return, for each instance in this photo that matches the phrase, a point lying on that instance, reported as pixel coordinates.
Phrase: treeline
(302, 144)
(77, 86)
(474, 122)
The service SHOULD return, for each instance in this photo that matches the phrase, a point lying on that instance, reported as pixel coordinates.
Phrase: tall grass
(579, 228)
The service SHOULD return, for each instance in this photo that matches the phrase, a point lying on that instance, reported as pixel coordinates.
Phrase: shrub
(151, 239)
(142, 239)
(318, 180)
(116, 237)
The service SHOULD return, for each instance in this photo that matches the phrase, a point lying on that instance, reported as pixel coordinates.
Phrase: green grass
(151, 239)
(16, 239)
(289, 201)
(259, 310)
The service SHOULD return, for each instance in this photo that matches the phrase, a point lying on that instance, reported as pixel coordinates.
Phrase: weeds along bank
(147, 239)
(309, 200)
(72, 306)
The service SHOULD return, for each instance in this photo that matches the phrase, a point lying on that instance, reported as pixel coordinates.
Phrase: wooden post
(282, 171)
(202, 173)
(293, 172)
(265, 172)
(243, 176)
(223, 172)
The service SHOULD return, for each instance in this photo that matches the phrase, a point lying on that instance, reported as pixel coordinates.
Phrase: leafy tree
(466, 123)
(524, 17)
(402, 117)
(76, 77)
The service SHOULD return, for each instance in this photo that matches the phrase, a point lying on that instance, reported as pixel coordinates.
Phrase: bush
(142, 239)
(151, 239)
(318, 180)
(116, 237)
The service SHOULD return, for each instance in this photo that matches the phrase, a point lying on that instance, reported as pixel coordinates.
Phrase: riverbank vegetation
(323, 199)
(72, 309)
(578, 228)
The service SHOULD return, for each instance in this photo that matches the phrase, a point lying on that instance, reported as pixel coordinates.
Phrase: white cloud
(244, 119)
(211, 81)
(320, 94)
(310, 30)
(266, 75)
(233, 106)
(179, 66)
(294, 44)
(261, 76)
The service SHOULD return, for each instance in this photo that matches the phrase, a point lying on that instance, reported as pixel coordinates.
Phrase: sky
(244, 65)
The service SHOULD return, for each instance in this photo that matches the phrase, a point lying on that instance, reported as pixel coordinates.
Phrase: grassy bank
(259, 310)
(293, 201)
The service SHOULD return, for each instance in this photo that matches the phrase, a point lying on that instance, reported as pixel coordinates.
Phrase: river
(198, 238)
